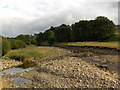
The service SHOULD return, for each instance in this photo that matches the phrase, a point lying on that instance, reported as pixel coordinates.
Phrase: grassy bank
(30, 52)
(100, 44)
(34, 53)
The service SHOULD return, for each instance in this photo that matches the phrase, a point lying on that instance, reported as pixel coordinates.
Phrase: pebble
(21, 85)
(85, 74)
(26, 70)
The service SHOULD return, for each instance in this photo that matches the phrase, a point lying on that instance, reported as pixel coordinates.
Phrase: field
(100, 44)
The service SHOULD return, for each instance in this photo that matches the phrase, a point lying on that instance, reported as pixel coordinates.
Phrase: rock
(26, 70)
(21, 85)
(104, 67)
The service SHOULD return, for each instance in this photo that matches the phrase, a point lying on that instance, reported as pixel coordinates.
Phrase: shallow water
(9, 73)
(15, 70)
(111, 66)
(21, 81)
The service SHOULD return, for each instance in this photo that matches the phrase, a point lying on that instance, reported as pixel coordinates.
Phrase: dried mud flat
(60, 70)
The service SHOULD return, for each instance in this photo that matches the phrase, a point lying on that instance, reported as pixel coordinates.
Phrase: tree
(63, 33)
(33, 39)
(5, 45)
(16, 44)
(93, 30)
(39, 38)
(51, 37)
(80, 30)
(103, 28)
(25, 38)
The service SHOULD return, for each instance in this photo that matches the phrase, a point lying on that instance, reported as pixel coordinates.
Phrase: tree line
(99, 29)
(21, 41)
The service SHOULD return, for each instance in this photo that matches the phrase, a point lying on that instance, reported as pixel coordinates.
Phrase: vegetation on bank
(114, 38)
(101, 29)
(100, 44)
(5, 45)
(9, 44)
(30, 52)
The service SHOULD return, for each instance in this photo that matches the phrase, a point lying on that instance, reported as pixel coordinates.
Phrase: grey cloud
(67, 15)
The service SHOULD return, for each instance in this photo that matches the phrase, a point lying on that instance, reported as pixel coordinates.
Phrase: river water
(111, 66)
(9, 73)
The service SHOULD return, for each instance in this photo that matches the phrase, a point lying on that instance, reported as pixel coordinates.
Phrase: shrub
(5, 46)
(114, 38)
(16, 56)
(16, 44)
(5, 57)
(28, 53)
(45, 43)
(25, 38)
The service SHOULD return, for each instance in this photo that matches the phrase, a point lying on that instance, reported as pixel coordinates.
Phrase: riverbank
(48, 51)
(10, 63)
(66, 68)
(70, 72)
(67, 71)
(6, 64)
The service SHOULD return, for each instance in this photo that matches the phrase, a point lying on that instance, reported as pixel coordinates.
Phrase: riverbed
(67, 70)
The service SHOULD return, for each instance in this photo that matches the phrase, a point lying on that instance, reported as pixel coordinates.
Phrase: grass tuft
(100, 44)
(32, 52)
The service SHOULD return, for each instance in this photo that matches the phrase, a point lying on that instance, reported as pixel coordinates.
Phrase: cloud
(6, 6)
(33, 16)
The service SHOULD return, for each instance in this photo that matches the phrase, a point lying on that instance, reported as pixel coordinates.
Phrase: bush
(5, 57)
(114, 38)
(16, 44)
(30, 52)
(94, 30)
(17, 57)
(45, 43)
(5, 46)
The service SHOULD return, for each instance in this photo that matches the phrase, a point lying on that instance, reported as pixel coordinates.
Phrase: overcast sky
(33, 16)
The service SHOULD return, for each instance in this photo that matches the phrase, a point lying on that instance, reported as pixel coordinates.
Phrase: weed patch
(25, 53)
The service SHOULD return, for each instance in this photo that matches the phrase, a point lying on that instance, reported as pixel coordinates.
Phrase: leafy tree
(51, 37)
(16, 44)
(63, 33)
(103, 28)
(25, 38)
(33, 39)
(5, 45)
(80, 30)
(94, 30)
(39, 38)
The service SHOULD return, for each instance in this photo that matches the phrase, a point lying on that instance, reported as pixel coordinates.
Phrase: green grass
(117, 31)
(25, 53)
(115, 38)
(100, 44)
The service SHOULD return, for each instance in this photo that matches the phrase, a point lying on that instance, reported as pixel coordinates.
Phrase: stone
(26, 70)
